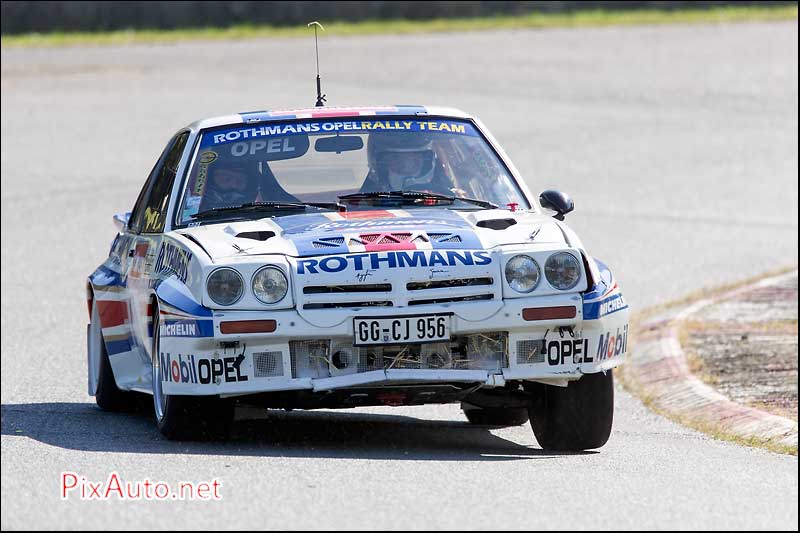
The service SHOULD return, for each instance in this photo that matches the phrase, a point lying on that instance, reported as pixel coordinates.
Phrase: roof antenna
(320, 96)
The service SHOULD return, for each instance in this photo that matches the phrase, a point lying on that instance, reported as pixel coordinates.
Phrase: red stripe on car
(112, 313)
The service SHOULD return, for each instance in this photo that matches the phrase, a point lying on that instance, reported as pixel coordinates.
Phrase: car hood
(319, 234)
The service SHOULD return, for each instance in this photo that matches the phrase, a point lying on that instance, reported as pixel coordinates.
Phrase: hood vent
(328, 242)
(497, 223)
(444, 237)
(256, 235)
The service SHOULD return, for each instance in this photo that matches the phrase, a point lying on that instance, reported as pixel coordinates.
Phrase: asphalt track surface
(678, 143)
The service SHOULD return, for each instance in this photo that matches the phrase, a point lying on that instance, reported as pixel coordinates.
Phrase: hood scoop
(498, 224)
(255, 235)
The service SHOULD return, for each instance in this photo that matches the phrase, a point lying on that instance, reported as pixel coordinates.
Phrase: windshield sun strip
(200, 133)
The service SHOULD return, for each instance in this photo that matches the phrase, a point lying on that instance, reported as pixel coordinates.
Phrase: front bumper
(198, 359)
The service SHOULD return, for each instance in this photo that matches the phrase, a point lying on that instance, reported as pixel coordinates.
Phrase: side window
(135, 221)
(150, 211)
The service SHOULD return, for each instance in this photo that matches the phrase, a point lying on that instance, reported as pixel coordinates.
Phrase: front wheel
(186, 417)
(576, 417)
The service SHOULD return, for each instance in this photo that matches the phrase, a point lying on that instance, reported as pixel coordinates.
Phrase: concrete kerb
(658, 372)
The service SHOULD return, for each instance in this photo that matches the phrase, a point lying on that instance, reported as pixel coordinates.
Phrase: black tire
(576, 417)
(496, 416)
(196, 418)
(108, 396)
(188, 417)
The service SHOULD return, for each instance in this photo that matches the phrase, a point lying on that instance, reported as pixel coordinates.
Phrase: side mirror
(121, 220)
(558, 201)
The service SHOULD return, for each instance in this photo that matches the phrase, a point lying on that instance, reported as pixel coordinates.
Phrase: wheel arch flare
(606, 325)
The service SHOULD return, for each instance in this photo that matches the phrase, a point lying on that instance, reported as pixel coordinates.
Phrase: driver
(404, 161)
(232, 183)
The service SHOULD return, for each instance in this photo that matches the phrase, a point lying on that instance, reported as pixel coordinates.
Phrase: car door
(146, 227)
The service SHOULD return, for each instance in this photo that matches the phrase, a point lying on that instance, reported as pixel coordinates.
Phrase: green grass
(532, 20)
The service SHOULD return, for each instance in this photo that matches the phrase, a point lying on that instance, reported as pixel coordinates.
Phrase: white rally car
(346, 257)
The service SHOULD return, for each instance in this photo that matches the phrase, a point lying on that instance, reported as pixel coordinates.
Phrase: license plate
(401, 330)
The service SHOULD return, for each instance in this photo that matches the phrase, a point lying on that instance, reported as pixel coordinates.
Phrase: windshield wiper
(266, 206)
(416, 195)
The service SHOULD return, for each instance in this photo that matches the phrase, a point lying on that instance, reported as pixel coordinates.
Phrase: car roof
(328, 112)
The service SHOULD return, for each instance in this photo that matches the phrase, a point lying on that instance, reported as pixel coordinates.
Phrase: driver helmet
(401, 160)
(231, 183)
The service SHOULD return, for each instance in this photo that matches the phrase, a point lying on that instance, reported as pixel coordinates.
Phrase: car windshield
(357, 163)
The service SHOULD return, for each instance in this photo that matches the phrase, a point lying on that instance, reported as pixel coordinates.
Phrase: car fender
(606, 325)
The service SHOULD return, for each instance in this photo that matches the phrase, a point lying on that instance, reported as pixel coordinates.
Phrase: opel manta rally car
(345, 257)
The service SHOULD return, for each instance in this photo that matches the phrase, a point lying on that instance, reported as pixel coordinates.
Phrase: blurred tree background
(47, 16)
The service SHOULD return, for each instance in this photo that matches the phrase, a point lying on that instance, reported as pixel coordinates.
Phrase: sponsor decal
(206, 158)
(152, 220)
(192, 203)
(361, 277)
(558, 352)
(372, 219)
(355, 126)
(191, 206)
(577, 350)
(186, 328)
(280, 145)
(393, 259)
(173, 260)
(121, 245)
(615, 303)
(139, 262)
(612, 304)
(370, 224)
(612, 345)
(191, 369)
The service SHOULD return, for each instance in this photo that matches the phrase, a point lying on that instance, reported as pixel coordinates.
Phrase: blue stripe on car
(119, 346)
(602, 285)
(594, 310)
(177, 299)
(105, 277)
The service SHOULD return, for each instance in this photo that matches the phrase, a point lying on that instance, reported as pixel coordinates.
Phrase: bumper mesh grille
(530, 352)
(478, 351)
(267, 364)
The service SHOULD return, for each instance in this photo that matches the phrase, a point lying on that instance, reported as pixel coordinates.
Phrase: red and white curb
(658, 370)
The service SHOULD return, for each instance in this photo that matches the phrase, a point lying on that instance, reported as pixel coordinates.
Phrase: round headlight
(562, 271)
(225, 286)
(522, 273)
(270, 285)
